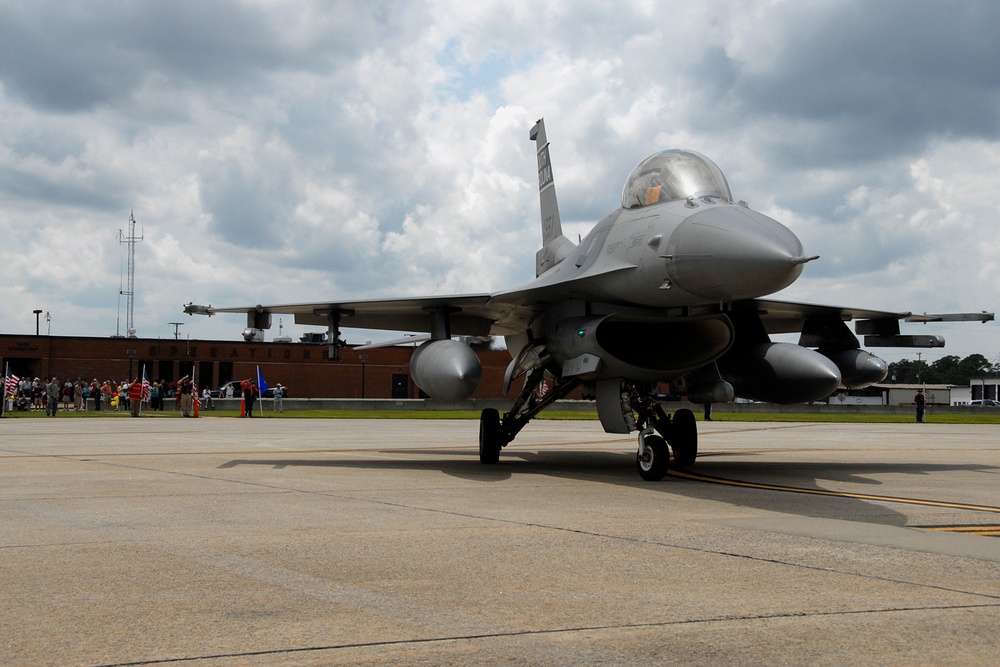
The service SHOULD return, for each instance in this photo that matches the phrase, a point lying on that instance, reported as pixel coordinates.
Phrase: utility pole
(177, 329)
(130, 239)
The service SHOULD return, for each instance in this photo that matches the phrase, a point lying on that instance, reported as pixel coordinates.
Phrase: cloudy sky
(285, 152)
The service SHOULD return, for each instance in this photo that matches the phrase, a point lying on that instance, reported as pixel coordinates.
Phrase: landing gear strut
(681, 432)
(495, 432)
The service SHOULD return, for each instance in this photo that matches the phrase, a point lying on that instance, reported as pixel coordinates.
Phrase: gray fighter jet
(666, 291)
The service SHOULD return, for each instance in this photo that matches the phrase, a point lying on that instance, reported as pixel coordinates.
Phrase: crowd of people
(52, 394)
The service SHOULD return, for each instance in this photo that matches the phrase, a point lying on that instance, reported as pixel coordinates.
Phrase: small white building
(898, 394)
(903, 394)
(978, 389)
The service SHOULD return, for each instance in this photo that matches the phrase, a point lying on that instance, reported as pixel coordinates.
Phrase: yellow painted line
(836, 494)
(976, 529)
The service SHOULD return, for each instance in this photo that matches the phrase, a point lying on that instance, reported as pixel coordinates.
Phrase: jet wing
(790, 316)
(468, 314)
(880, 327)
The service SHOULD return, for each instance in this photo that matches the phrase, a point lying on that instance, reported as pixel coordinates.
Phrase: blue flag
(261, 384)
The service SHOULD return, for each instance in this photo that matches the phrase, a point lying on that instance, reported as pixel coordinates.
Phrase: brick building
(303, 368)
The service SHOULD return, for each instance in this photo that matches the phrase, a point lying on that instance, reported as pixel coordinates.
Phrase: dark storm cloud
(31, 187)
(70, 57)
(857, 81)
(249, 208)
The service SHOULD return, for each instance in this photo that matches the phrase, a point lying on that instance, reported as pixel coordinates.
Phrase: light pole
(37, 313)
(363, 358)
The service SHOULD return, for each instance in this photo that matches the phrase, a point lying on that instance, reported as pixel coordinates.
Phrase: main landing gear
(495, 432)
(491, 436)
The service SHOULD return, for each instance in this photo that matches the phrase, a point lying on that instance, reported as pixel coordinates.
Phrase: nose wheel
(653, 457)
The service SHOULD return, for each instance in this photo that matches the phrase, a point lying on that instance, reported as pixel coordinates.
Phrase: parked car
(237, 386)
(221, 392)
(985, 403)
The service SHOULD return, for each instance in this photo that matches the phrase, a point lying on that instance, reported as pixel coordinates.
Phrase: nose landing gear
(680, 432)
(653, 458)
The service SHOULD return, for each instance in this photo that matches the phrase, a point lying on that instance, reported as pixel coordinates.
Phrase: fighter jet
(665, 293)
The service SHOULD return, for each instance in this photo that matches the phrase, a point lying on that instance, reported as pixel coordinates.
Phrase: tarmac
(224, 541)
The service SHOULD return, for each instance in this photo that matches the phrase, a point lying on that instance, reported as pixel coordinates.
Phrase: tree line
(946, 370)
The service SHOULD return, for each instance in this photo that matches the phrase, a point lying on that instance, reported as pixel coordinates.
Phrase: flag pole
(260, 394)
(261, 388)
(195, 401)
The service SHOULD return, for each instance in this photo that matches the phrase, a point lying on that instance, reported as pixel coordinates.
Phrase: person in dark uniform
(921, 402)
(249, 396)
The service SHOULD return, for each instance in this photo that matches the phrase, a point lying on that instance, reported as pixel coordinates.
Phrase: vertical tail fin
(555, 246)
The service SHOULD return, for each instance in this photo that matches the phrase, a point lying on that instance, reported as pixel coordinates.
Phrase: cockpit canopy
(671, 175)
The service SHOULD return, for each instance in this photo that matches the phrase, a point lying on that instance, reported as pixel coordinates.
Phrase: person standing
(135, 397)
(250, 396)
(52, 390)
(37, 389)
(123, 395)
(921, 402)
(279, 395)
(106, 393)
(184, 388)
(67, 394)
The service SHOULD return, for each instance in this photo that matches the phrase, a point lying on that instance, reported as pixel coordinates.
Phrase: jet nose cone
(731, 252)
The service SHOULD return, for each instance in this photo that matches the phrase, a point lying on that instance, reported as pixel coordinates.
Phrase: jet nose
(731, 252)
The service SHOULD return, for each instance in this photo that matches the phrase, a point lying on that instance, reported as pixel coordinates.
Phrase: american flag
(9, 383)
(147, 390)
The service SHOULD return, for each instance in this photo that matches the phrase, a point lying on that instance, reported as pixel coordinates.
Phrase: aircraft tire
(654, 462)
(489, 437)
(684, 437)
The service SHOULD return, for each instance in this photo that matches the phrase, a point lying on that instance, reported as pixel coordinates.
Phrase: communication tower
(130, 239)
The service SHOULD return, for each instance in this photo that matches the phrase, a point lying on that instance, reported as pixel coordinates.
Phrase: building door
(205, 378)
(400, 385)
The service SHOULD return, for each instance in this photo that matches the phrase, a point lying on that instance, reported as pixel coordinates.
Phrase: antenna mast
(131, 240)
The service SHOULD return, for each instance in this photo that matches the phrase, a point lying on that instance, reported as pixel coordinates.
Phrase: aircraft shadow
(618, 468)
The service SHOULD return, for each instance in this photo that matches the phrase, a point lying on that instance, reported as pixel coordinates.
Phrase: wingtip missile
(194, 309)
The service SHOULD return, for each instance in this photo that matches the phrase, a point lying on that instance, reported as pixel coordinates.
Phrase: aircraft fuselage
(679, 253)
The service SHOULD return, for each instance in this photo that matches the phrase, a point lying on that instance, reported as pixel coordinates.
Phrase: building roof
(914, 387)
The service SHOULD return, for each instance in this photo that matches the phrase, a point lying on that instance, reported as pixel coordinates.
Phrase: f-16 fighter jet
(668, 289)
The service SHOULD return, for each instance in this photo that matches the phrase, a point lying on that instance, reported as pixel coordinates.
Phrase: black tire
(490, 442)
(655, 461)
(684, 437)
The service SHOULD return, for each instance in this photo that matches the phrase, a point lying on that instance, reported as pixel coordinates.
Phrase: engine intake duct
(641, 348)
